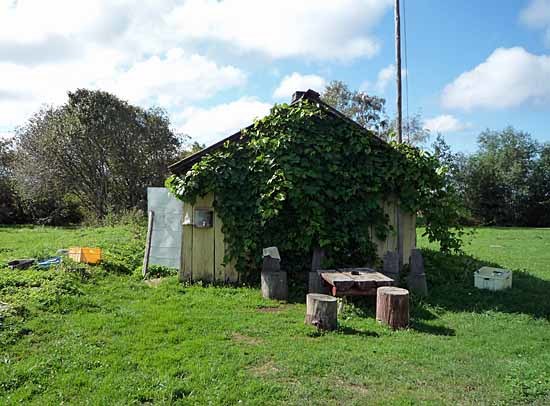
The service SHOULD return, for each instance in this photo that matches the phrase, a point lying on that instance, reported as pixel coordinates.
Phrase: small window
(203, 218)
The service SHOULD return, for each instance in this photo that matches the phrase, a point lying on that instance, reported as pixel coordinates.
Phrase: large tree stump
(322, 311)
(392, 306)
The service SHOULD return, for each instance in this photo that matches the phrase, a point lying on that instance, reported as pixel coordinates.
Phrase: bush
(125, 258)
(155, 271)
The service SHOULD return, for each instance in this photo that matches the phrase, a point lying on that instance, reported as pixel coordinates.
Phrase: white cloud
(324, 29)
(77, 24)
(445, 123)
(5, 135)
(385, 76)
(291, 83)
(537, 15)
(208, 125)
(176, 79)
(383, 79)
(24, 88)
(508, 78)
(146, 50)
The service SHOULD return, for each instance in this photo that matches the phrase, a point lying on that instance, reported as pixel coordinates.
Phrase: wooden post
(322, 311)
(416, 281)
(392, 307)
(150, 220)
(274, 285)
(398, 118)
(315, 283)
(398, 122)
(274, 281)
(391, 265)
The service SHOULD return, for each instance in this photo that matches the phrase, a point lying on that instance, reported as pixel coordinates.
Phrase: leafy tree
(9, 203)
(539, 190)
(359, 106)
(190, 149)
(506, 181)
(369, 111)
(455, 163)
(414, 132)
(96, 150)
(503, 163)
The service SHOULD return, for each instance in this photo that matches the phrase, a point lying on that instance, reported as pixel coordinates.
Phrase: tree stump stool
(392, 306)
(322, 311)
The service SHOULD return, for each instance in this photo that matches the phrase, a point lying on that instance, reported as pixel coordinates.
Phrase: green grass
(104, 337)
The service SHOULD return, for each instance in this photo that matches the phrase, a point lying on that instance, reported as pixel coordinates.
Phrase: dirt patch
(241, 338)
(272, 309)
(352, 386)
(153, 283)
(267, 369)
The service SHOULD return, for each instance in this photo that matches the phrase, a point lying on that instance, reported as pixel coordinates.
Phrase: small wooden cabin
(203, 245)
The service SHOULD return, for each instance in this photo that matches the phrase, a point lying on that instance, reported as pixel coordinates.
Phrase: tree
(498, 179)
(190, 149)
(414, 132)
(9, 204)
(359, 106)
(539, 190)
(455, 163)
(369, 111)
(97, 150)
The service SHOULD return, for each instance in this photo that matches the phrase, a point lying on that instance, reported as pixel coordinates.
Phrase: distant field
(101, 336)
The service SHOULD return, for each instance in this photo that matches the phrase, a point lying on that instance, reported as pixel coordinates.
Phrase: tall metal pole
(398, 123)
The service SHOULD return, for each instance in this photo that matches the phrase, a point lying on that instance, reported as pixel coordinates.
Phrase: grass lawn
(101, 336)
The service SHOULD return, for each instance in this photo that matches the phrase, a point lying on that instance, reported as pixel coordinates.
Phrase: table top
(345, 279)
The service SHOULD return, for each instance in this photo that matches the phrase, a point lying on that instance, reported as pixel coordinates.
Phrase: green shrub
(155, 271)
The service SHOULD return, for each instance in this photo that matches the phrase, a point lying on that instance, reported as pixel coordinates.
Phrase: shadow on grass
(451, 286)
(353, 331)
(431, 329)
(345, 330)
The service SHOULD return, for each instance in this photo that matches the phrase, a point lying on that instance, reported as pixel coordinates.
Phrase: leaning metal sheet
(167, 232)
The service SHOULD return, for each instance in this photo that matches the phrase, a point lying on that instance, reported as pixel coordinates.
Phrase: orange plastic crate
(85, 254)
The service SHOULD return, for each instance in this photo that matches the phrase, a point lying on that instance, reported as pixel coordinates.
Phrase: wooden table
(354, 281)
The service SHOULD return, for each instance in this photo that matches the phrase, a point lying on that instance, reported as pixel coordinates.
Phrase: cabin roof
(186, 163)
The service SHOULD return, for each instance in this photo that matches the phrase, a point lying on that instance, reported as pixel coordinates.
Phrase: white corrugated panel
(166, 234)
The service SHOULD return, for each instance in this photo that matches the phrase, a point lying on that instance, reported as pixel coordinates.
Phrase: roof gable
(311, 95)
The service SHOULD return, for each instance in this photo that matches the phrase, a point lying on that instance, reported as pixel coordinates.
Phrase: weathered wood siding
(203, 249)
(408, 223)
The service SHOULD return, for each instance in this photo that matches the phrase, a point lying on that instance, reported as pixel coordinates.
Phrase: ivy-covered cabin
(306, 176)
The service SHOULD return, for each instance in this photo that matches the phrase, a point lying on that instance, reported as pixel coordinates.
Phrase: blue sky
(214, 65)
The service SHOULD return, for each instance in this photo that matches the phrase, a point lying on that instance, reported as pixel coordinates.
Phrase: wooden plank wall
(408, 221)
(186, 269)
(203, 249)
(203, 245)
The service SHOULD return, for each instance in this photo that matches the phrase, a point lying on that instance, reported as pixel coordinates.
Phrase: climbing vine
(301, 178)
